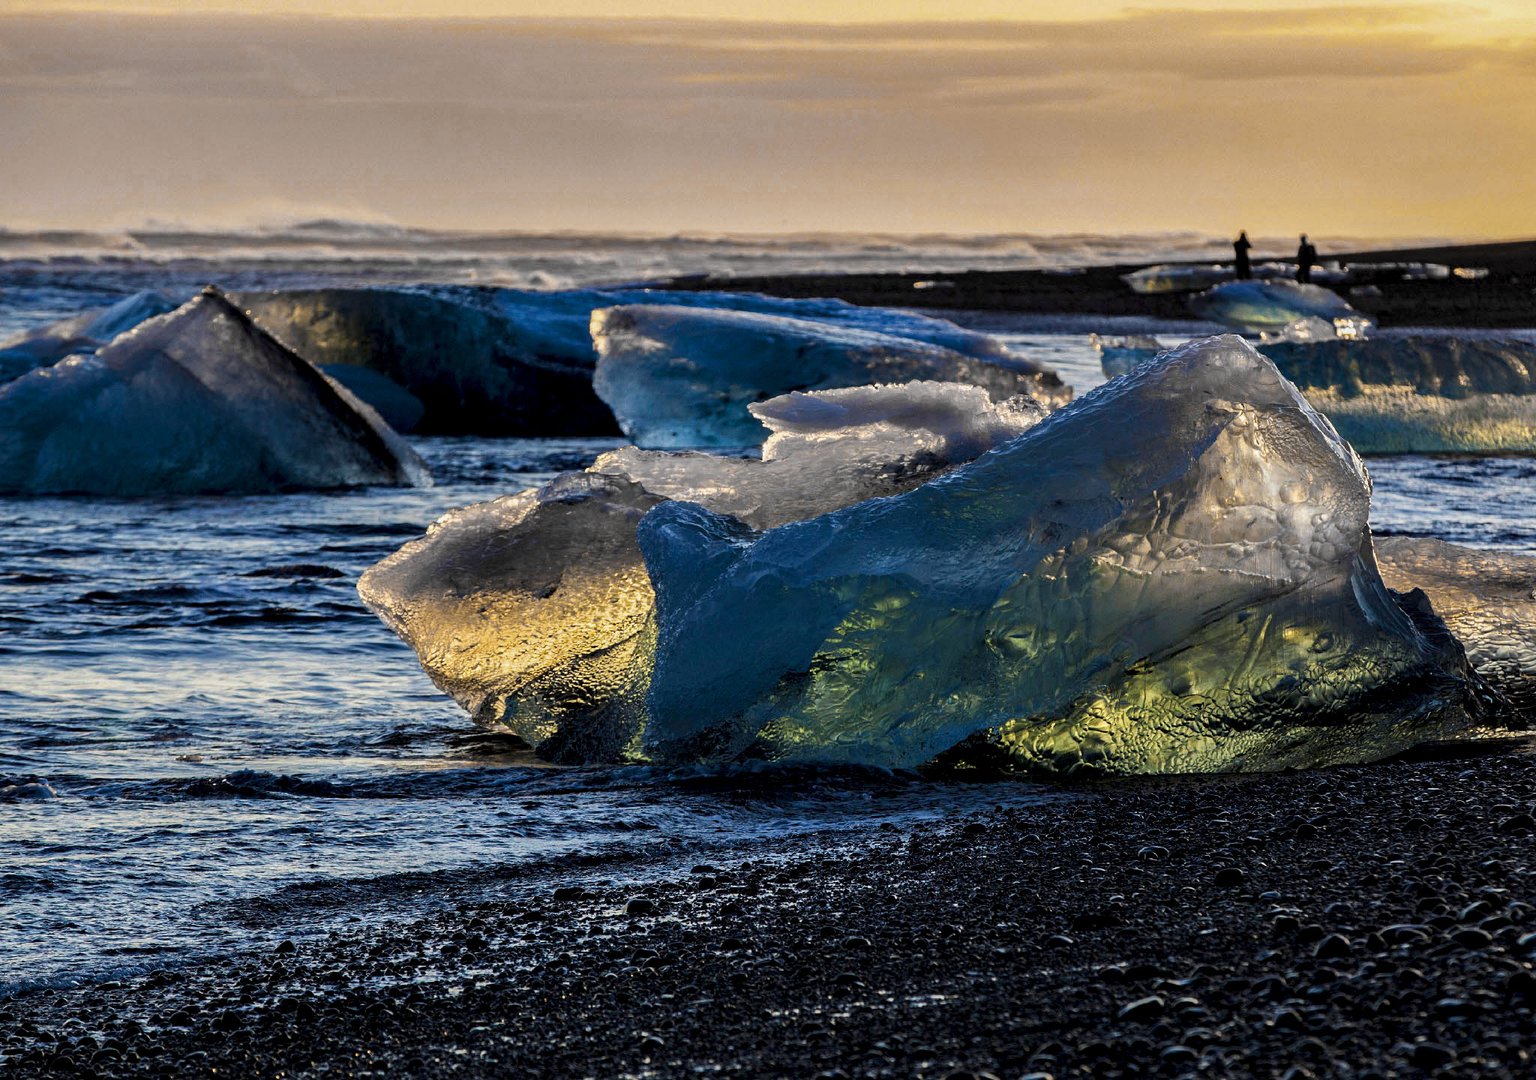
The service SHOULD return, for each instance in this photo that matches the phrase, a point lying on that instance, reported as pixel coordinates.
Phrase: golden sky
(664, 115)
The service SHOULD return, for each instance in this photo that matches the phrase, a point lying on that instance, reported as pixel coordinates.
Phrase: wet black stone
(1430, 1055)
(1333, 947)
(1229, 877)
(1470, 937)
(1143, 1009)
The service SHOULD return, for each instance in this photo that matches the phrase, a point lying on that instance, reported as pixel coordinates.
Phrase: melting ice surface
(684, 377)
(195, 401)
(1173, 574)
(535, 610)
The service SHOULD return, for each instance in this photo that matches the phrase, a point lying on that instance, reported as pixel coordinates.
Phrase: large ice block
(1487, 598)
(1403, 395)
(1272, 305)
(684, 377)
(535, 611)
(1173, 574)
(474, 369)
(79, 335)
(199, 400)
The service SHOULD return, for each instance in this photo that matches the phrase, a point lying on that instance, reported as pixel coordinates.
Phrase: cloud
(1153, 119)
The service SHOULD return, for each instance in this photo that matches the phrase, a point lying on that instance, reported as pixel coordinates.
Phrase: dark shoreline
(1506, 298)
(1358, 921)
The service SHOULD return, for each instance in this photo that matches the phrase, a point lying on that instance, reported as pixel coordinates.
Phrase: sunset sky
(1368, 119)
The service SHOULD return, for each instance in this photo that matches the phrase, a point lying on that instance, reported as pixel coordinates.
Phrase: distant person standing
(1241, 246)
(1306, 259)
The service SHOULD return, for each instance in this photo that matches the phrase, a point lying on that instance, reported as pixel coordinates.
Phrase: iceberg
(81, 334)
(683, 377)
(1487, 598)
(504, 362)
(1172, 574)
(1255, 306)
(535, 611)
(198, 400)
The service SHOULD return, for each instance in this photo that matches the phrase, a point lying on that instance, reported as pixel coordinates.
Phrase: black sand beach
(1361, 922)
(1505, 298)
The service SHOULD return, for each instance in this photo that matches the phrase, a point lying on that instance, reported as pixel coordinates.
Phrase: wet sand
(1506, 298)
(1362, 921)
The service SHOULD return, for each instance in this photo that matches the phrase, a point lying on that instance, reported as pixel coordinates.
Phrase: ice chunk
(400, 409)
(81, 334)
(1119, 355)
(535, 611)
(492, 361)
(473, 369)
(1407, 395)
(684, 377)
(1487, 598)
(1420, 394)
(1304, 330)
(1177, 277)
(1272, 305)
(200, 400)
(1173, 574)
(834, 448)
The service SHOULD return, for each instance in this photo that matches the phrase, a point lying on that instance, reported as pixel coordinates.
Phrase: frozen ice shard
(199, 400)
(1273, 305)
(684, 377)
(81, 334)
(1487, 598)
(535, 611)
(1172, 574)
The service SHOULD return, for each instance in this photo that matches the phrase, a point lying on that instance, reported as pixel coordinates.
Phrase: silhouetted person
(1306, 259)
(1241, 246)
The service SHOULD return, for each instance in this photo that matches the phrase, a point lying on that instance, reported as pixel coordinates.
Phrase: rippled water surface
(196, 710)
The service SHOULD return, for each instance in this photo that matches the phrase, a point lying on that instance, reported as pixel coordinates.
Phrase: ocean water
(197, 715)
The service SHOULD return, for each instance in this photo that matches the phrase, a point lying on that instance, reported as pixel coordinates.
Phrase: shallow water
(197, 713)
